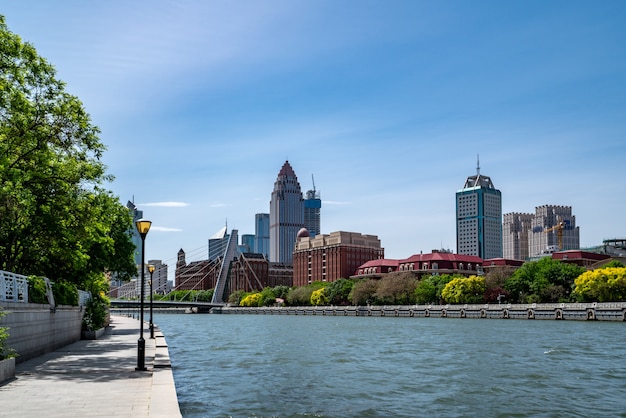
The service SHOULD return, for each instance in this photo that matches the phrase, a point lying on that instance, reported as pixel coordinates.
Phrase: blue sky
(386, 103)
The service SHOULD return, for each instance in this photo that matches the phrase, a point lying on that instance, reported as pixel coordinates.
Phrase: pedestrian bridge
(164, 304)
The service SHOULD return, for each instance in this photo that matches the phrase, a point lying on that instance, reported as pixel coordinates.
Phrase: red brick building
(329, 257)
(437, 262)
(197, 275)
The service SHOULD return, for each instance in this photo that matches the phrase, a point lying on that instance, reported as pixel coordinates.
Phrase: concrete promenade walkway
(95, 378)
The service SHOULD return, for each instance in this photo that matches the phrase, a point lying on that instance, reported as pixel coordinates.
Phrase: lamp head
(143, 226)
(151, 268)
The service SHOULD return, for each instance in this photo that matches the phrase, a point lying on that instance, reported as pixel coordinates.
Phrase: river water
(323, 366)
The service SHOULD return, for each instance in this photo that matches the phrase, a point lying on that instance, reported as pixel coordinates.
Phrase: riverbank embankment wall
(615, 311)
(36, 329)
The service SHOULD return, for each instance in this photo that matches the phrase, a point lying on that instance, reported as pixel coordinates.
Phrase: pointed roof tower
(478, 180)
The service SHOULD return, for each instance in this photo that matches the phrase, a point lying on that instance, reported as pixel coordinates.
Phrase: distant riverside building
(262, 234)
(329, 257)
(286, 215)
(160, 283)
(252, 272)
(312, 212)
(515, 232)
(544, 233)
(197, 275)
(479, 218)
(436, 262)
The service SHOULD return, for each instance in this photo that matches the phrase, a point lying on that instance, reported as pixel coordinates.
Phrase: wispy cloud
(165, 229)
(332, 202)
(166, 204)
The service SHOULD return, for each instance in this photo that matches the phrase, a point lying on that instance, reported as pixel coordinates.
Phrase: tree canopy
(56, 218)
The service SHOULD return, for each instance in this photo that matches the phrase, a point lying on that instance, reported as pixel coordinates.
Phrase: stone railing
(13, 287)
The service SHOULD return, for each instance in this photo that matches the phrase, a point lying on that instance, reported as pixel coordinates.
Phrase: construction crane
(559, 227)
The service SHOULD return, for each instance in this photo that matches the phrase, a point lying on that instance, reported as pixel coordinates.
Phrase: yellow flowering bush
(464, 290)
(601, 285)
(252, 299)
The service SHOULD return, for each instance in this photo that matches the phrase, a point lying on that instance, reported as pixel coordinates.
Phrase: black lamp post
(143, 226)
(151, 270)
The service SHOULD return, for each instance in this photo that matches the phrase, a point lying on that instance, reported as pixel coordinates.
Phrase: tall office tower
(136, 214)
(515, 230)
(218, 243)
(553, 229)
(262, 234)
(312, 211)
(286, 215)
(479, 218)
(247, 243)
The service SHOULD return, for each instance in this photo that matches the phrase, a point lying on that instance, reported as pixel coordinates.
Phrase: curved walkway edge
(96, 378)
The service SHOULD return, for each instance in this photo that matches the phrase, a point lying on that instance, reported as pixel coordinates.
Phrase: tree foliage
(56, 219)
(464, 290)
(318, 297)
(363, 292)
(429, 289)
(252, 299)
(396, 289)
(542, 281)
(338, 292)
(601, 285)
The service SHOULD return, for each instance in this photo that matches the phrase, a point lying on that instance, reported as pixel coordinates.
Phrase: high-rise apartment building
(553, 228)
(312, 212)
(479, 218)
(286, 215)
(262, 234)
(515, 231)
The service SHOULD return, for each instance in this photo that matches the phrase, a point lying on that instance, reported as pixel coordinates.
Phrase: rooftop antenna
(313, 179)
(477, 165)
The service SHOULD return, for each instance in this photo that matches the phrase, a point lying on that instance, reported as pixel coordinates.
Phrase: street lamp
(143, 226)
(151, 270)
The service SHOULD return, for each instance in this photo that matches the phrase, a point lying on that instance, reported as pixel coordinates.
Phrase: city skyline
(200, 104)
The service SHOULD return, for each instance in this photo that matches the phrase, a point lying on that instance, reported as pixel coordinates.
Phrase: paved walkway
(95, 379)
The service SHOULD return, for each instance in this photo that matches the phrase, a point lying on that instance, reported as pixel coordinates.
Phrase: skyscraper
(515, 232)
(218, 243)
(286, 215)
(312, 212)
(136, 214)
(545, 235)
(479, 218)
(262, 234)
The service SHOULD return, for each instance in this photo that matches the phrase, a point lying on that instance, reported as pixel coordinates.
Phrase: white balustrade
(13, 287)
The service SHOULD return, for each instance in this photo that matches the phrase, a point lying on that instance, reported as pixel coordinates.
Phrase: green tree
(363, 292)
(545, 280)
(235, 297)
(429, 288)
(56, 220)
(301, 296)
(396, 289)
(338, 292)
(268, 297)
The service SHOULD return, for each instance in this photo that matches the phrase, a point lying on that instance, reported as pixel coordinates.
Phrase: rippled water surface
(320, 366)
